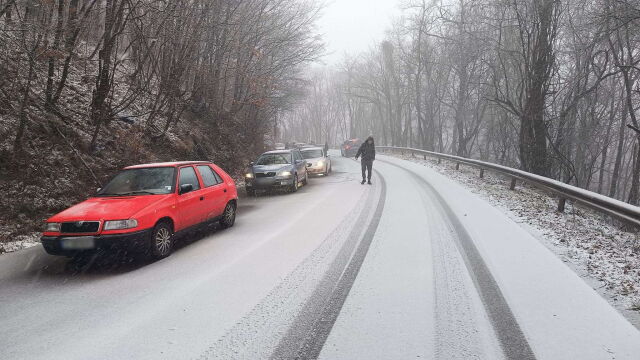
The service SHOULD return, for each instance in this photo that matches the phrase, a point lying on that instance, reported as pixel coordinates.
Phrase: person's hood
(370, 138)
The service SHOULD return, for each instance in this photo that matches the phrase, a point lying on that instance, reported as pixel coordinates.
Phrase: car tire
(305, 181)
(228, 216)
(161, 242)
(294, 187)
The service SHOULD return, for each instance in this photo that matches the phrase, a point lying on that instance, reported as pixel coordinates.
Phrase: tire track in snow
(310, 330)
(462, 330)
(258, 333)
(511, 338)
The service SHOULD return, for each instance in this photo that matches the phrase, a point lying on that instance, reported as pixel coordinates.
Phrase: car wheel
(161, 240)
(294, 187)
(228, 216)
(306, 179)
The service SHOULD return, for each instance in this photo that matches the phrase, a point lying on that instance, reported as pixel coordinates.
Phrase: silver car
(279, 169)
(318, 162)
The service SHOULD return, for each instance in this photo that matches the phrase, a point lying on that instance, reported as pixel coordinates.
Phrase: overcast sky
(352, 26)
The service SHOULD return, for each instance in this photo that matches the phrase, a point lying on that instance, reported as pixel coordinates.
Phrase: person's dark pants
(367, 165)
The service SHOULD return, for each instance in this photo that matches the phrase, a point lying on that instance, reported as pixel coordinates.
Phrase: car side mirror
(98, 190)
(185, 188)
(251, 163)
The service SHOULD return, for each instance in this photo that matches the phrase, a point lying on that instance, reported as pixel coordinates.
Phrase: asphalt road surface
(413, 266)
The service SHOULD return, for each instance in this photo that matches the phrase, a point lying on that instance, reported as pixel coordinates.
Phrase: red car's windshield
(145, 181)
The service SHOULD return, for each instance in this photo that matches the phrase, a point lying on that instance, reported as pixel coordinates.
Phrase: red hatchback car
(143, 207)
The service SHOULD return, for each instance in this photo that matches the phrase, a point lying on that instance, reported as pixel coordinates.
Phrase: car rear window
(188, 176)
(209, 177)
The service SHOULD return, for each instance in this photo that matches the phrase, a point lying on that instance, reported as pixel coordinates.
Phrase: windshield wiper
(140, 192)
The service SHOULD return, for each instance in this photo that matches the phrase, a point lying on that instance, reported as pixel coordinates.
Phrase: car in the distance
(143, 207)
(278, 169)
(318, 163)
(350, 147)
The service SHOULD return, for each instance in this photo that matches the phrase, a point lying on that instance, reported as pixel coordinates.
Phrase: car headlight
(52, 227)
(320, 163)
(120, 224)
(248, 175)
(285, 173)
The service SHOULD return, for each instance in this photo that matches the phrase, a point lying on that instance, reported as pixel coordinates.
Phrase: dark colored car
(279, 169)
(350, 147)
(143, 207)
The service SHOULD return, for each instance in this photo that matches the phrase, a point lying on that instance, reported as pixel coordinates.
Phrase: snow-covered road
(413, 267)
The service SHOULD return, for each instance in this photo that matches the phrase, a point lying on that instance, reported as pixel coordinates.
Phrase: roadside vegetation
(548, 86)
(87, 87)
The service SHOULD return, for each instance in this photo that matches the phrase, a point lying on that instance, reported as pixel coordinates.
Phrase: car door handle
(201, 198)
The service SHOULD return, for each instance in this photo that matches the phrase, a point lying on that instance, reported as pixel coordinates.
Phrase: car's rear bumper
(61, 245)
(349, 152)
(268, 183)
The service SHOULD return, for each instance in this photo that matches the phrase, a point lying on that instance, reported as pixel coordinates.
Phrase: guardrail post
(424, 157)
(513, 184)
(439, 160)
(413, 155)
(457, 166)
(561, 204)
(481, 173)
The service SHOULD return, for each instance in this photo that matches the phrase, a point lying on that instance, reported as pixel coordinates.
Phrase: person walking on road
(368, 153)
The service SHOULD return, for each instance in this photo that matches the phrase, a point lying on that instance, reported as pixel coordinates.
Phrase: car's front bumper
(315, 170)
(70, 245)
(266, 183)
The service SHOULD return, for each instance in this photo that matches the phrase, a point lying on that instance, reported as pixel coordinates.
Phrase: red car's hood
(107, 208)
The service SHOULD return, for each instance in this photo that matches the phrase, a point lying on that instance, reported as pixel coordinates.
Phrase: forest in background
(547, 86)
(90, 86)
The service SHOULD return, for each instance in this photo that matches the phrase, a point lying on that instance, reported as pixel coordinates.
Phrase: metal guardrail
(601, 203)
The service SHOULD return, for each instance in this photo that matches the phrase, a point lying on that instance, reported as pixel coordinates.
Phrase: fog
(352, 26)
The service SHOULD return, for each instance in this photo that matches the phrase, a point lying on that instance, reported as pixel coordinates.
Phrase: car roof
(166, 164)
(284, 151)
(312, 148)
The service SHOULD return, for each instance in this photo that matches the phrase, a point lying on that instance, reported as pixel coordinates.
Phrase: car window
(312, 153)
(188, 176)
(218, 177)
(143, 181)
(274, 159)
(209, 177)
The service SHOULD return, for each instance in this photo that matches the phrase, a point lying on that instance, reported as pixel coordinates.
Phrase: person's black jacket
(367, 151)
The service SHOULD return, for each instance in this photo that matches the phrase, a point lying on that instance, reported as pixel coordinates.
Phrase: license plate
(78, 243)
(284, 183)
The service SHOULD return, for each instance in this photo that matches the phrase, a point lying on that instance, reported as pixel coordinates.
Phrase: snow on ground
(583, 238)
(20, 242)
